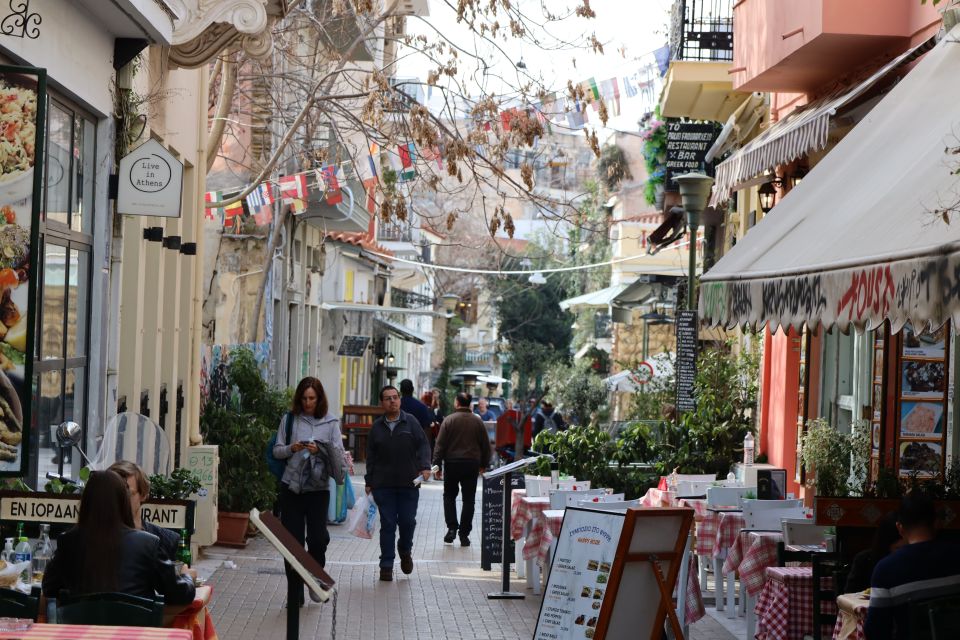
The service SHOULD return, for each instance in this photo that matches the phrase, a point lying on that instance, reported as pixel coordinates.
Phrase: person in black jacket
(138, 485)
(397, 452)
(105, 553)
(886, 540)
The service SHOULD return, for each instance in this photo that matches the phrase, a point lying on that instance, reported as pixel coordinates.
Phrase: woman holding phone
(309, 440)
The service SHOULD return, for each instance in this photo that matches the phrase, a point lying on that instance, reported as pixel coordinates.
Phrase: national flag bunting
(210, 211)
(260, 202)
(408, 159)
(327, 176)
(232, 215)
(293, 191)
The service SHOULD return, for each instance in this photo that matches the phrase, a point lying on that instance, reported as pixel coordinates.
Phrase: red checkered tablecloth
(785, 606)
(750, 556)
(515, 496)
(91, 632)
(527, 510)
(727, 531)
(852, 609)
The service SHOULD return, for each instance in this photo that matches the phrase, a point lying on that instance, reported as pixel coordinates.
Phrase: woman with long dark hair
(105, 553)
(309, 439)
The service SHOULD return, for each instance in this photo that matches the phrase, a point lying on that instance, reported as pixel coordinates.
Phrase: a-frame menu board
(613, 575)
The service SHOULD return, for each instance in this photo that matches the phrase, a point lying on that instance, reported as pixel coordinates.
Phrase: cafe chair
(14, 604)
(785, 555)
(765, 515)
(802, 531)
(829, 577)
(727, 496)
(942, 616)
(109, 609)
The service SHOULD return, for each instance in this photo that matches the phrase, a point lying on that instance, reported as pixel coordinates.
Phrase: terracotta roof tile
(358, 239)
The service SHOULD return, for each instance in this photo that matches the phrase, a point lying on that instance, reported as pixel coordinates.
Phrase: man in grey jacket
(463, 448)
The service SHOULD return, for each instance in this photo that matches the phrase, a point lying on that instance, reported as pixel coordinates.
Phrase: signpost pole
(294, 593)
(505, 593)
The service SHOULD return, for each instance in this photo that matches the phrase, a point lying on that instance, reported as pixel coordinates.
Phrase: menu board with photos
(922, 402)
(579, 574)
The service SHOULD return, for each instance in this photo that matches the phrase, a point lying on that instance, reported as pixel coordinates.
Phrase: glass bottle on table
(42, 554)
(183, 553)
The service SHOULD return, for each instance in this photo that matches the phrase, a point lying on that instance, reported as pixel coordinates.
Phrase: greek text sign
(151, 182)
(57, 509)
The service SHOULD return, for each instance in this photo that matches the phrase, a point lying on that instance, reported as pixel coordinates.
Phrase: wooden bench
(356, 423)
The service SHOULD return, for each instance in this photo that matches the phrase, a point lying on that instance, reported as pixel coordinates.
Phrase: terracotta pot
(232, 528)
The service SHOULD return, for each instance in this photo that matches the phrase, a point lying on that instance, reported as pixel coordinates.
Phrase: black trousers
(460, 475)
(306, 511)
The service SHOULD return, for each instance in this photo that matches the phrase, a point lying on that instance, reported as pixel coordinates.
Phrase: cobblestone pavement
(445, 597)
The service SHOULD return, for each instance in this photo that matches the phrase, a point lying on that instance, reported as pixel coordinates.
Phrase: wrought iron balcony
(409, 299)
(702, 30)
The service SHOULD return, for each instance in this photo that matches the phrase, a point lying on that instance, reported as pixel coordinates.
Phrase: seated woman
(105, 553)
(138, 486)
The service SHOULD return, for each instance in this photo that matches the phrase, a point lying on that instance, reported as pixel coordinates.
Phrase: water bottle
(42, 554)
(7, 554)
(748, 449)
(24, 553)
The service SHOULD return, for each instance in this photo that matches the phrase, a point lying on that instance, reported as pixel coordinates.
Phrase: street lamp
(449, 302)
(767, 192)
(694, 194)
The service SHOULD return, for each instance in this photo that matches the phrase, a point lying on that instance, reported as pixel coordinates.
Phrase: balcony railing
(702, 30)
(398, 233)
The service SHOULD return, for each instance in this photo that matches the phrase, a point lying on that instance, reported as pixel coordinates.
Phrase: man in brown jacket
(462, 451)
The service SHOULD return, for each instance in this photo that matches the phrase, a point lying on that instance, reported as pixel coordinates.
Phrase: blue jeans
(398, 507)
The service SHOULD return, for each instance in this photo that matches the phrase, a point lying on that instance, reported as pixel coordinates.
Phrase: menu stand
(506, 473)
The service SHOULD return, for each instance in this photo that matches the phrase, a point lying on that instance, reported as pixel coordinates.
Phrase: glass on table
(15, 624)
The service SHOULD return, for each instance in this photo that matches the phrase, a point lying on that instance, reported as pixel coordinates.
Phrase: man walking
(409, 404)
(397, 451)
(463, 450)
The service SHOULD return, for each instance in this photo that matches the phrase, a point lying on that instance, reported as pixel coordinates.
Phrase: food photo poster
(924, 345)
(923, 379)
(22, 118)
(921, 459)
(921, 420)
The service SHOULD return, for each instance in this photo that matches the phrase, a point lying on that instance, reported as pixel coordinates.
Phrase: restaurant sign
(151, 182)
(923, 291)
(47, 508)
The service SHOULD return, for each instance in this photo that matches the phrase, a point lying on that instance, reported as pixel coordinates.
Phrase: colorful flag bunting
(212, 212)
(260, 202)
(370, 187)
(408, 159)
(232, 215)
(293, 191)
(327, 176)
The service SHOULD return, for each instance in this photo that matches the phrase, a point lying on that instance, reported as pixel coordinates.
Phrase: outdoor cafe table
(852, 610)
(750, 556)
(721, 529)
(785, 607)
(95, 632)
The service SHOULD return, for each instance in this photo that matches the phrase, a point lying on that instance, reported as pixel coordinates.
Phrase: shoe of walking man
(397, 452)
(463, 452)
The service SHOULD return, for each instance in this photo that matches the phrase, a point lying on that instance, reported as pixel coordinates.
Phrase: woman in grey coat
(309, 440)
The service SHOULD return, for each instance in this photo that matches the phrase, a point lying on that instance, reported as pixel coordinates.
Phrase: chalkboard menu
(686, 360)
(687, 146)
(353, 346)
(491, 521)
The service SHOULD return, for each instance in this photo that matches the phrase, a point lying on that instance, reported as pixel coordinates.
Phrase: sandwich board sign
(151, 182)
(613, 574)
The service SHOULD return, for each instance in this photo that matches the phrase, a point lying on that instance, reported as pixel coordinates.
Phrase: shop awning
(374, 308)
(859, 240)
(601, 298)
(402, 332)
(802, 131)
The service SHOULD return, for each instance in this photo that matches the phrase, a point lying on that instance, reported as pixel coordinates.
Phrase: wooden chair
(109, 609)
(825, 565)
(355, 425)
(14, 604)
(785, 555)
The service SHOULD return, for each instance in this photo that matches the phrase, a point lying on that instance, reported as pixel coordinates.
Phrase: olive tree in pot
(241, 431)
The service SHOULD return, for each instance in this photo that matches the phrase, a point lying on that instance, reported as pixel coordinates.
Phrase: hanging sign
(687, 146)
(151, 182)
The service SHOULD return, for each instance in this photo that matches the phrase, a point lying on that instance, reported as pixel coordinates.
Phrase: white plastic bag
(362, 519)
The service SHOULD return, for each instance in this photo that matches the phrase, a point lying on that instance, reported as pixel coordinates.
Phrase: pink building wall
(778, 415)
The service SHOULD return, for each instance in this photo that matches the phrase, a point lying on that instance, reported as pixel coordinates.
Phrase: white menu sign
(578, 574)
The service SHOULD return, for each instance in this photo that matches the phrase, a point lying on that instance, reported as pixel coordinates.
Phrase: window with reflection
(63, 307)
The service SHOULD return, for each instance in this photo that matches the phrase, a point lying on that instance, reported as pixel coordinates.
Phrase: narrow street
(445, 596)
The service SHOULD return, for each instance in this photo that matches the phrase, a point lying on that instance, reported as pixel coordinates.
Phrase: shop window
(62, 341)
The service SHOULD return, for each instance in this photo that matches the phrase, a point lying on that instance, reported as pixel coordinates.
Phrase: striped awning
(860, 241)
(804, 130)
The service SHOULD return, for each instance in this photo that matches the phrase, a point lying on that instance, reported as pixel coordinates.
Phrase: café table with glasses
(785, 606)
(852, 614)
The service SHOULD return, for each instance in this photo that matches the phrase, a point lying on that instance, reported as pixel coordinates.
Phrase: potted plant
(241, 431)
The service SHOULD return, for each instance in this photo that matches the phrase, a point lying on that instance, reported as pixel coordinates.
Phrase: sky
(629, 30)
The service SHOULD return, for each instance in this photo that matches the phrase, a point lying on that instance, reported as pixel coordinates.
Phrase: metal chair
(825, 565)
(109, 609)
(14, 604)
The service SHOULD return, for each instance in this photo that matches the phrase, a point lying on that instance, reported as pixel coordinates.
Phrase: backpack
(277, 466)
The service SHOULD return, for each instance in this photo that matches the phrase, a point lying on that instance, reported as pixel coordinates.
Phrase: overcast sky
(629, 30)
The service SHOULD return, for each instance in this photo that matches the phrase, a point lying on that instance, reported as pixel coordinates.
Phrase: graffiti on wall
(213, 370)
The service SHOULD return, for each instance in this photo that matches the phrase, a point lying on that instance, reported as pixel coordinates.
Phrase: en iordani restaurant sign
(49, 508)
(151, 182)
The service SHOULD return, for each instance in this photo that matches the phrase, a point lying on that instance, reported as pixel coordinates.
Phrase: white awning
(601, 298)
(858, 241)
(373, 308)
(402, 332)
(804, 130)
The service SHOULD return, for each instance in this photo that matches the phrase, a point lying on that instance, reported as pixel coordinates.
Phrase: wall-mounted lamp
(449, 301)
(390, 358)
(172, 242)
(153, 234)
(767, 194)
(797, 176)
(188, 248)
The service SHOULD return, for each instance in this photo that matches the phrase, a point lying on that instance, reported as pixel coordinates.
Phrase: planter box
(867, 512)
(232, 529)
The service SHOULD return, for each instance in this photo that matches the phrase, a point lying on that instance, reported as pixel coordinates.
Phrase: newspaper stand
(506, 472)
